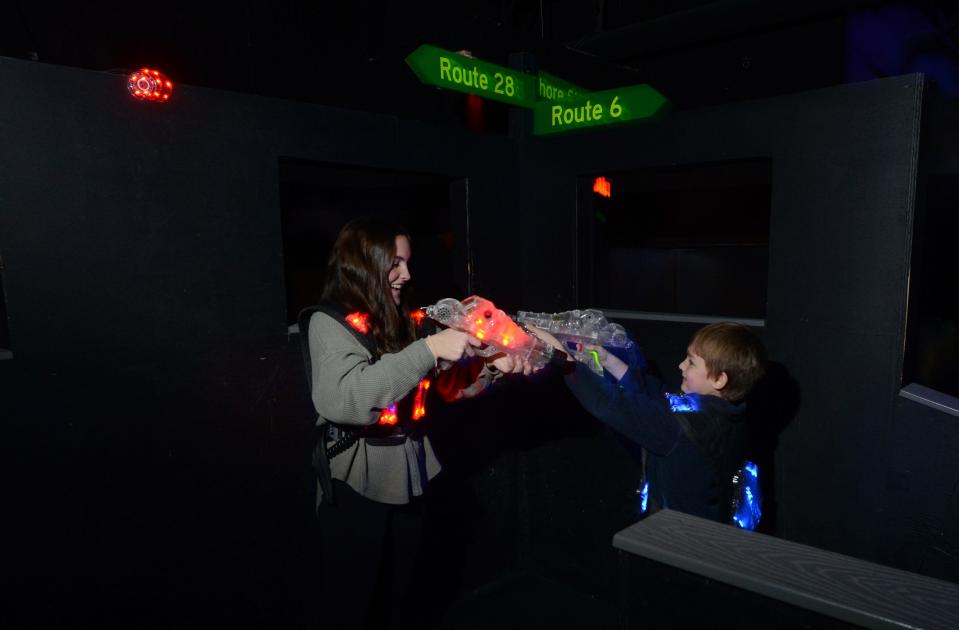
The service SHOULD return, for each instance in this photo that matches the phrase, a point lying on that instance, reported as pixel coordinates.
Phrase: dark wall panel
(920, 526)
(844, 171)
(156, 409)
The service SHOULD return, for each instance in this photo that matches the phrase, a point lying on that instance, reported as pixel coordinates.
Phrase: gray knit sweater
(347, 389)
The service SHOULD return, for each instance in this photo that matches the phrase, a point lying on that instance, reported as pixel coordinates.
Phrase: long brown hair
(357, 279)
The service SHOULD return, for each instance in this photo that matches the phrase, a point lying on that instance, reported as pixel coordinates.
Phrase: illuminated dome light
(603, 187)
(149, 85)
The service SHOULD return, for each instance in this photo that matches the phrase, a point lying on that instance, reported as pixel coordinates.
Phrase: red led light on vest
(419, 402)
(602, 187)
(388, 415)
(359, 322)
(150, 85)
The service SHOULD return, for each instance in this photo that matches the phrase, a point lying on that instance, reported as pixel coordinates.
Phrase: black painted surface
(921, 524)
(155, 415)
(844, 169)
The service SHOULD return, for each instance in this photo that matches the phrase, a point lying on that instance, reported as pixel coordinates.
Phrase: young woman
(370, 378)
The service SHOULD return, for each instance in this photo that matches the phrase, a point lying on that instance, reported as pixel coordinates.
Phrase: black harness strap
(346, 438)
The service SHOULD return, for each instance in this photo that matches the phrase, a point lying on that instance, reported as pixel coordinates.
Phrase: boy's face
(696, 379)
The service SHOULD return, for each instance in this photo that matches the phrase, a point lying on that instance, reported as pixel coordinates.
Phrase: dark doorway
(690, 239)
(317, 199)
(932, 341)
(5, 346)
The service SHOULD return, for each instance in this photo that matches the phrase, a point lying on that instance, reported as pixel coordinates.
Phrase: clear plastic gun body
(480, 317)
(582, 331)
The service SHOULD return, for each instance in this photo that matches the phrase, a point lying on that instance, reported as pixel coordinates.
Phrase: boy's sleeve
(632, 408)
(638, 382)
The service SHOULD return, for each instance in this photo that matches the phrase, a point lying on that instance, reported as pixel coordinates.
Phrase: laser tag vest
(715, 428)
(397, 419)
(395, 422)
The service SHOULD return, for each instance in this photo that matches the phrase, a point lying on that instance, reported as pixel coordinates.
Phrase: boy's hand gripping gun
(480, 317)
(582, 332)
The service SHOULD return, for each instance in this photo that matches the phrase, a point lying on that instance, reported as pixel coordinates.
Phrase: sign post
(558, 104)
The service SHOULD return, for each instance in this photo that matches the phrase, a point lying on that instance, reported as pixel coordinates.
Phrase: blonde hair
(733, 349)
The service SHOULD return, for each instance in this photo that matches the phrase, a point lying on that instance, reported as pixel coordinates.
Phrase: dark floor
(528, 601)
(665, 598)
(669, 599)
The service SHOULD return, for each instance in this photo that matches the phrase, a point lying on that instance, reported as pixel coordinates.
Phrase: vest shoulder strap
(338, 314)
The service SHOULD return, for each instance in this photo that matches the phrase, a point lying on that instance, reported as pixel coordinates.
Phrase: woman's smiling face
(400, 272)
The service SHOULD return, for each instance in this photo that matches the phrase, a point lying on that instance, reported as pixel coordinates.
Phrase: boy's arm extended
(634, 407)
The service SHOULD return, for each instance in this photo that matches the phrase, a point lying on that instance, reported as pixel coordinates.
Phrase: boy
(692, 442)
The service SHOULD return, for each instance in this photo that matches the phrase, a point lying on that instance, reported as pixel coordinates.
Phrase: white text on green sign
(598, 108)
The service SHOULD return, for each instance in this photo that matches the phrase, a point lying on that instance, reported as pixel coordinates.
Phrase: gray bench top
(853, 590)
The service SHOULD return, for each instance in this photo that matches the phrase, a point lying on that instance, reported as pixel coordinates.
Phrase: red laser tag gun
(480, 318)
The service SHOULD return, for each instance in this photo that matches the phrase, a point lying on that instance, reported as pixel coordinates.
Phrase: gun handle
(488, 351)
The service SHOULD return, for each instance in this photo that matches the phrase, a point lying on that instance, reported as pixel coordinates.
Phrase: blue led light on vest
(681, 403)
(747, 497)
(643, 497)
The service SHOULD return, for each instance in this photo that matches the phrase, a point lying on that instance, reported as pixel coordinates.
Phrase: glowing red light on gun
(418, 316)
(603, 187)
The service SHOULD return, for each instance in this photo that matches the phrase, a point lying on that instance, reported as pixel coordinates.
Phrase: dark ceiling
(351, 54)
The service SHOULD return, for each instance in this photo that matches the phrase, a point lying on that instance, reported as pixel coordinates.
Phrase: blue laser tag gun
(582, 332)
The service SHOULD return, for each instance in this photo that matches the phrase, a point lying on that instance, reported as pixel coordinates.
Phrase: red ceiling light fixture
(603, 187)
(149, 85)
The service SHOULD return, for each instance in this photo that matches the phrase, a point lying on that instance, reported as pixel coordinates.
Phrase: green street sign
(453, 71)
(552, 88)
(598, 108)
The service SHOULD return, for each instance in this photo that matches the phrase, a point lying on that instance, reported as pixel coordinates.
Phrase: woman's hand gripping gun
(480, 317)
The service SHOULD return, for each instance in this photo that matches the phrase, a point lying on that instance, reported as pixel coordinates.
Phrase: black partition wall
(843, 168)
(155, 409)
(154, 405)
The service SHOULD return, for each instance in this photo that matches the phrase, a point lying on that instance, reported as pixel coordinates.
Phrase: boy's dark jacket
(694, 443)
